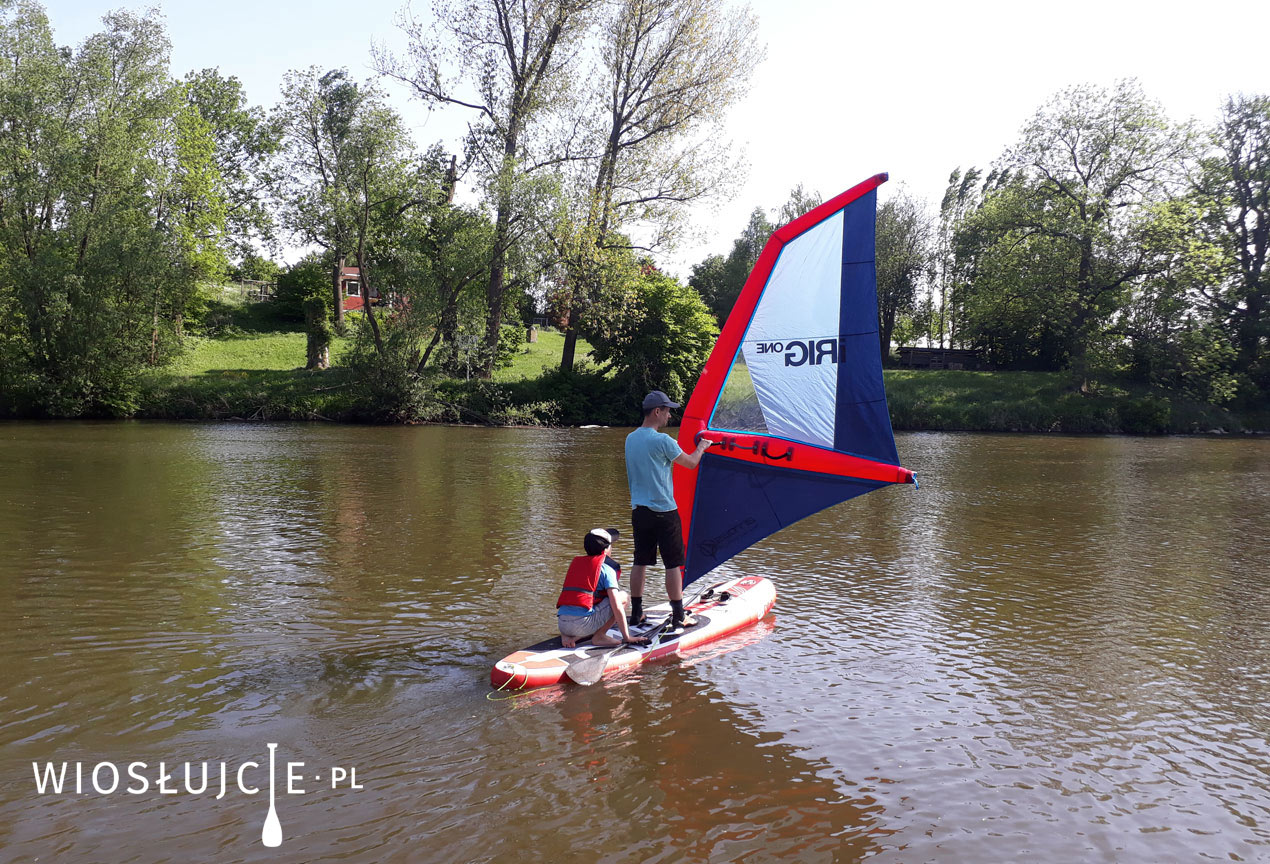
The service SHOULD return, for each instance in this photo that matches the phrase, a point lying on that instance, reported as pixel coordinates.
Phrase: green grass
(251, 367)
(950, 400)
(252, 337)
(538, 357)
(247, 352)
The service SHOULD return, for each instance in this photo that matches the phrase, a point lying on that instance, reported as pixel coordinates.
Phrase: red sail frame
(804, 457)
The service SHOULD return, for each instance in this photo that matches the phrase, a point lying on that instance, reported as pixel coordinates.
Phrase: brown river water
(1057, 647)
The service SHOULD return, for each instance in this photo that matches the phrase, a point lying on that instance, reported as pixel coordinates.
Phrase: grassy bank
(1045, 402)
(918, 400)
(250, 367)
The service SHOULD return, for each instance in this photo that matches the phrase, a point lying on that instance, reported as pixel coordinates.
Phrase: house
(352, 290)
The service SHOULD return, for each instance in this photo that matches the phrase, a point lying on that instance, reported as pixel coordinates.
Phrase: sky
(847, 90)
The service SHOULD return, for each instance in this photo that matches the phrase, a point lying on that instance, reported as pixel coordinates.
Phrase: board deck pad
(725, 607)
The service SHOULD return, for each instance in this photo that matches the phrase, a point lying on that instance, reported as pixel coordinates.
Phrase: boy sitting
(591, 601)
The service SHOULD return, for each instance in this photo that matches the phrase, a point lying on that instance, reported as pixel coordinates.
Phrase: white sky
(848, 88)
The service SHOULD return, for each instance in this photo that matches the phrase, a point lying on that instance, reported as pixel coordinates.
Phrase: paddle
(587, 672)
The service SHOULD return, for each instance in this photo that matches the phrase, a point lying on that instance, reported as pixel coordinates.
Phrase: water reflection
(1057, 645)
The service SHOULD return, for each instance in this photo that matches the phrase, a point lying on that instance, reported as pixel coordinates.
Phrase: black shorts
(653, 531)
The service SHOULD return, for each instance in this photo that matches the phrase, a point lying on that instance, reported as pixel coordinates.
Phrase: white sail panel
(796, 387)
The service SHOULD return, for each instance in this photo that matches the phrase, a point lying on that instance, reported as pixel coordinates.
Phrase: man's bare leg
(637, 579)
(674, 583)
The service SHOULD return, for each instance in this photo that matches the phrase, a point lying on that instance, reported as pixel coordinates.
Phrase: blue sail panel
(739, 503)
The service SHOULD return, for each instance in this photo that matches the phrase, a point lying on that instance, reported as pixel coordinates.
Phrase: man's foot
(568, 641)
(684, 623)
(643, 619)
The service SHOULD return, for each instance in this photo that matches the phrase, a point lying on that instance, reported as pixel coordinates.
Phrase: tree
(1233, 191)
(304, 285)
(902, 254)
(960, 198)
(316, 117)
(661, 340)
(455, 247)
(719, 280)
(111, 209)
(512, 60)
(800, 201)
(669, 70)
(245, 143)
(1083, 179)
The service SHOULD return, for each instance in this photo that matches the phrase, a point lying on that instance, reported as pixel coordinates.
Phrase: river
(1056, 647)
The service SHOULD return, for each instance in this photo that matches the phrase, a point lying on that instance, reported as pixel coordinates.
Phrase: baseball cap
(658, 399)
(607, 535)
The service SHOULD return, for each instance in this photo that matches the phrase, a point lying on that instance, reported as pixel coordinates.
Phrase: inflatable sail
(792, 393)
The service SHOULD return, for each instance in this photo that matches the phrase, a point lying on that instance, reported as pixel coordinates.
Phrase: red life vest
(580, 581)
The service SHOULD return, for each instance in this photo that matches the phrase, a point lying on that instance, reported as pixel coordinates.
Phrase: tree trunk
(364, 278)
(495, 291)
(317, 334)
(319, 354)
(884, 341)
(337, 271)
(1250, 332)
(570, 346)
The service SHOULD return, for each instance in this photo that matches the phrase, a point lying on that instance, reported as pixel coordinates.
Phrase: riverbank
(248, 371)
(919, 401)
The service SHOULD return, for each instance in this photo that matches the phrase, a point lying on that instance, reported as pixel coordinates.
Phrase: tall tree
(719, 280)
(110, 209)
(1233, 190)
(800, 201)
(245, 142)
(669, 70)
(1084, 177)
(959, 199)
(511, 59)
(317, 115)
(903, 238)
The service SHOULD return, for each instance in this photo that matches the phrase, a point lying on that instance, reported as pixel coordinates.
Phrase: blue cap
(658, 399)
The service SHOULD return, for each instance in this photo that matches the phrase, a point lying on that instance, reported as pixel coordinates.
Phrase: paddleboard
(723, 608)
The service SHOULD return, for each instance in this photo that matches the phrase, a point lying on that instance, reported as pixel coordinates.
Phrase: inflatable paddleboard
(723, 608)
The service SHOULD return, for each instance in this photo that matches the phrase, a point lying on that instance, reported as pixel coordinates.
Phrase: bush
(307, 278)
(1148, 415)
(660, 341)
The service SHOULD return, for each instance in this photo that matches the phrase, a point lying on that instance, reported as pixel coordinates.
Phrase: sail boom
(780, 452)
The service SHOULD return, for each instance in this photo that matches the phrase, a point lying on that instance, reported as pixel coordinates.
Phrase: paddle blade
(587, 672)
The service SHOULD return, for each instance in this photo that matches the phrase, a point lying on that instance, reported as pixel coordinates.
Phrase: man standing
(650, 454)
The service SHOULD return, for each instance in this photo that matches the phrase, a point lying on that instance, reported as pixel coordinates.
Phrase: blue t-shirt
(649, 455)
(608, 579)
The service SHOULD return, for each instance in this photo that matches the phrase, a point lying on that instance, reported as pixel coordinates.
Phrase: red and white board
(724, 608)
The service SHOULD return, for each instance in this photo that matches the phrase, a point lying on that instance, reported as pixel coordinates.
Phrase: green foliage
(1052, 255)
(719, 280)
(1148, 415)
(661, 340)
(111, 210)
(1232, 196)
(385, 386)
(244, 142)
(257, 269)
(308, 278)
(1042, 402)
(902, 251)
